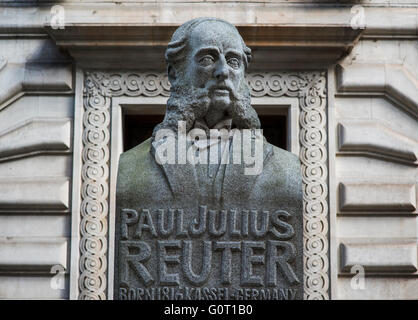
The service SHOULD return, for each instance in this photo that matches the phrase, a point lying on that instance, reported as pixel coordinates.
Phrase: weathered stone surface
(208, 231)
(392, 256)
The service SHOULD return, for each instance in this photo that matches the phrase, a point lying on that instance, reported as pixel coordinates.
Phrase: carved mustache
(235, 94)
(220, 87)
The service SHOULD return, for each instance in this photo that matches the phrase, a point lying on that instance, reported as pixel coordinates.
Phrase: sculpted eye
(206, 61)
(234, 63)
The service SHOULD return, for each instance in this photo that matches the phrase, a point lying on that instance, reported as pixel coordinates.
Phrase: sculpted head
(206, 63)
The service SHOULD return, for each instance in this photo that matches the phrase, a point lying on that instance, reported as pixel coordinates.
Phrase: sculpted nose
(221, 71)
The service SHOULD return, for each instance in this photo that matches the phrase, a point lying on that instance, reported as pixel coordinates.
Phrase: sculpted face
(206, 62)
(216, 63)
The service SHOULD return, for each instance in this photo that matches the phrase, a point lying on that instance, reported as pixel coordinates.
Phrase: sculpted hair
(178, 47)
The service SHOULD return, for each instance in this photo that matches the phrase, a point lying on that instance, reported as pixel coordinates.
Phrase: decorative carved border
(310, 89)
(94, 190)
(100, 87)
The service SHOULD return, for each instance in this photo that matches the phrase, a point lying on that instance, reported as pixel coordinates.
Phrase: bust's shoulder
(282, 171)
(140, 177)
(284, 159)
(138, 153)
(136, 167)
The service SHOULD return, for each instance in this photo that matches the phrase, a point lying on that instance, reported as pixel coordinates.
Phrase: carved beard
(190, 104)
(242, 113)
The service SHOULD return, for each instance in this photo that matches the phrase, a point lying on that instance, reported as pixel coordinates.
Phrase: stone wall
(372, 132)
(375, 175)
(36, 125)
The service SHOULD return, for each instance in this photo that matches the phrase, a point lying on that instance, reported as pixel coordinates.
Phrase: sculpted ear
(171, 74)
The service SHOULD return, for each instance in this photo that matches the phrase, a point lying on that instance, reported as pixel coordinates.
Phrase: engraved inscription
(206, 293)
(159, 223)
(221, 243)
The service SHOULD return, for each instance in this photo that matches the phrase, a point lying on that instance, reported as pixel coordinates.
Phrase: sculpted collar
(201, 124)
(223, 124)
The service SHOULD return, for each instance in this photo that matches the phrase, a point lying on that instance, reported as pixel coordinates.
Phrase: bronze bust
(191, 221)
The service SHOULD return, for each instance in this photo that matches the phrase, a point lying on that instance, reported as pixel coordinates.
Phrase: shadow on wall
(40, 66)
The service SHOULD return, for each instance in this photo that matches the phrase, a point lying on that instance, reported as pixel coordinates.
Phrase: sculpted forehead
(215, 33)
